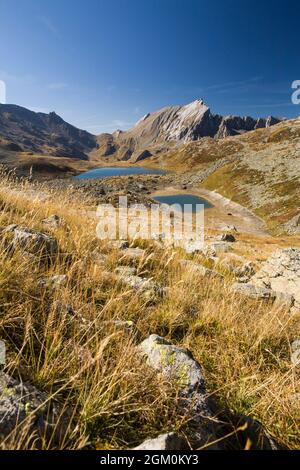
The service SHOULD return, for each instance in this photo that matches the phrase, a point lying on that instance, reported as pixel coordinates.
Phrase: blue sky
(102, 64)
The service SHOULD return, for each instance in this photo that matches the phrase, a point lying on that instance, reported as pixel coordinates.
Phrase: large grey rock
(283, 300)
(31, 241)
(169, 441)
(281, 273)
(179, 366)
(23, 407)
(177, 363)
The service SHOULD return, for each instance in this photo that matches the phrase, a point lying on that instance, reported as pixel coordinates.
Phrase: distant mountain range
(22, 130)
(27, 131)
(258, 169)
(158, 131)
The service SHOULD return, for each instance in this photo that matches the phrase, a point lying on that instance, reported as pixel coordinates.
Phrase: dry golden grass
(93, 368)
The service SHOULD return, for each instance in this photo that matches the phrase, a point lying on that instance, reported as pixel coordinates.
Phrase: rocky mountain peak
(174, 125)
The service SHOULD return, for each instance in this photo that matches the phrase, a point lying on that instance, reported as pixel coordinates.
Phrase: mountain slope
(40, 133)
(172, 126)
(260, 170)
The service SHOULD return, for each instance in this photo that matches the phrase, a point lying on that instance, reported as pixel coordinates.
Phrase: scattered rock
(100, 259)
(120, 244)
(53, 282)
(31, 241)
(144, 285)
(244, 280)
(190, 246)
(227, 237)
(202, 270)
(61, 308)
(54, 221)
(216, 248)
(254, 292)
(169, 441)
(283, 300)
(122, 324)
(247, 270)
(125, 271)
(230, 228)
(134, 253)
(23, 403)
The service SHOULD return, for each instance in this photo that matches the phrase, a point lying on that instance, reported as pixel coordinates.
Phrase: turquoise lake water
(182, 199)
(108, 172)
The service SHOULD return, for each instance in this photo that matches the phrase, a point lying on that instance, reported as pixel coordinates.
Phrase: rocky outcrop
(281, 274)
(277, 280)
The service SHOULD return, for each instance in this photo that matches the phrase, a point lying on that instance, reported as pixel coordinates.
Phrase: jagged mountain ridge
(49, 134)
(157, 131)
(41, 133)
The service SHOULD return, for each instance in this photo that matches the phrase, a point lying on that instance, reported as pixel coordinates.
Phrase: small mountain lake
(182, 199)
(108, 172)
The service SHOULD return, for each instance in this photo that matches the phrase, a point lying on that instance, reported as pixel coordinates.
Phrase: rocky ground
(172, 348)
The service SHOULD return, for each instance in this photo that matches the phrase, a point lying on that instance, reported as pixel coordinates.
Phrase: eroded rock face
(24, 405)
(281, 274)
(169, 441)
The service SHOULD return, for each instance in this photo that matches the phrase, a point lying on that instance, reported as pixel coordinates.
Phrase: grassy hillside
(260, 169)
(90, 364)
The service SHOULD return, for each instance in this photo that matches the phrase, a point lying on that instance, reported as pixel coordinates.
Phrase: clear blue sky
(102, 64)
